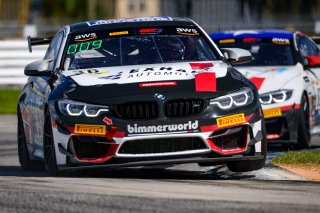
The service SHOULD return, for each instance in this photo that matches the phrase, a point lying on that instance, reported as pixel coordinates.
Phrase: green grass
(298, 158)
(8, 101)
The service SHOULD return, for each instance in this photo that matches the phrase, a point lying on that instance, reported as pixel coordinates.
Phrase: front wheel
(23, 153)
(50, 160)
(303, 125)
(251, 165)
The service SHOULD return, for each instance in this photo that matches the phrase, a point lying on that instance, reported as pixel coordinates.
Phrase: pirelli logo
(231, 120)
(270, 113)
(90, 129)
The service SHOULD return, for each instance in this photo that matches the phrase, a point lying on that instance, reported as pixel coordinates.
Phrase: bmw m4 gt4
(286, 71)
(135, 92)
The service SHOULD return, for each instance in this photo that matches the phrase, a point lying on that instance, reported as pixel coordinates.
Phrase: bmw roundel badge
(159, 96)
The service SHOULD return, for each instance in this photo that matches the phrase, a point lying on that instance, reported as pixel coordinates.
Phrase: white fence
(14, 56)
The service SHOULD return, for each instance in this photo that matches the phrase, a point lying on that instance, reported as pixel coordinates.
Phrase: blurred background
(20, 18)
(44, 17)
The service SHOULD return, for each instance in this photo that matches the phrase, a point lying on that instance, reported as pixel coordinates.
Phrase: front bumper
(153, 162)
(197, 139)
(282, 124)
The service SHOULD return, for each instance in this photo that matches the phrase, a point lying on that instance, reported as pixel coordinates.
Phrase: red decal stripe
(119, 135)
(205, 82)
(110, 153)
(200, 66)
(287, 108)
(150, 30)
(246, 40)
(257, 81)
(158, 84)
(273, 136)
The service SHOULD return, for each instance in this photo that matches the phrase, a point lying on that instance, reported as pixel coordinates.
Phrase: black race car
(134, 92)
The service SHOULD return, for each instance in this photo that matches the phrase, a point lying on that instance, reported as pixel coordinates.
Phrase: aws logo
(85, 37)
(281, 41)
(187, 31)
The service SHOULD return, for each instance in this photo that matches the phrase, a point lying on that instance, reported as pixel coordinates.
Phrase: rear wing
(316, 39)
(37, 41)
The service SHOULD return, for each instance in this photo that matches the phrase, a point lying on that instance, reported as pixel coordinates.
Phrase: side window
(54, 47)
(307, 47)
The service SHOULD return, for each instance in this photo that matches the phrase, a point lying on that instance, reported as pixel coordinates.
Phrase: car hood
(270, 78)
(171, 79)
(144, 73)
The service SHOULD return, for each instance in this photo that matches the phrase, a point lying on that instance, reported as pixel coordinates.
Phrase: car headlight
(73, 108)
(234, 100)
(275, 96)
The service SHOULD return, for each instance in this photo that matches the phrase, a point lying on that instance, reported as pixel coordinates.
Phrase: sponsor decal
(112, 21)
(227, 41)
(108, 121)
(231, 120)
(151, 31)
(135, 128)
(257, 81)
(200, 66)
(112, 77)
(205, 82)
(119, 33)
(187, 31)
(162, 71)
(158, 84)
(92, 72)
(270, 113)
(281, 41)
(282, 69)
(85, 37)
(248, 40)
(89, 129)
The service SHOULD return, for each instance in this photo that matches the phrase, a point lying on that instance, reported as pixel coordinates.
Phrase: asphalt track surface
(183, 188)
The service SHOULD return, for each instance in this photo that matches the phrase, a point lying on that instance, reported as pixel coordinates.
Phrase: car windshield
(264, 51)
(136, 46)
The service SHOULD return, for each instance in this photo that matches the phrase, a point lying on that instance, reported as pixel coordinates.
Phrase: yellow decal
(119, 33)
(270, 113)
(226, 41)
(231, 120)
(88, 129)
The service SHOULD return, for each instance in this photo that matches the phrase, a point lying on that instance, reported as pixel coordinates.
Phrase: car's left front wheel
(23, 152)
(50, 160)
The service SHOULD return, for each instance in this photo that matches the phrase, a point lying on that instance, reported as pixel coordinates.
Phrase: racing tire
(49, 153)
(23, 153)
(303, 125)
(251, 165)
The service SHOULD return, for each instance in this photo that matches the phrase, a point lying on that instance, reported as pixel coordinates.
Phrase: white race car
(286, 72)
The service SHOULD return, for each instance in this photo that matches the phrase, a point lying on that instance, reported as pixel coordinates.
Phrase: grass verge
(9, 100)
(308, 158)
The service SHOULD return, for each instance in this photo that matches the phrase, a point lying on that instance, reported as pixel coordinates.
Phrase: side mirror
(39, 68)
(237, 55)
(313, 61)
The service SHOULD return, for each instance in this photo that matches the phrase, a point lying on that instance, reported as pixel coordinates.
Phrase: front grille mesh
(236, 138)
(183, 107)
(162, 145)
(274, 125)
(140, 110)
